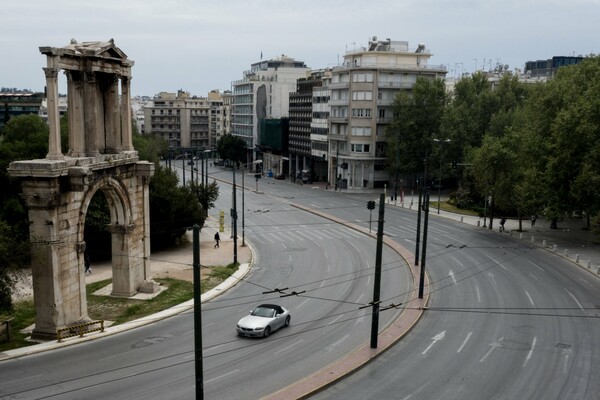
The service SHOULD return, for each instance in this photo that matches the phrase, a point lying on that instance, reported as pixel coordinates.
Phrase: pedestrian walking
(217, 240)
(533, 218)
(502, 222)
(87, 263)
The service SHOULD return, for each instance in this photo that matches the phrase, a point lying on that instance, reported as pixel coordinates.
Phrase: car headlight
(259, 329)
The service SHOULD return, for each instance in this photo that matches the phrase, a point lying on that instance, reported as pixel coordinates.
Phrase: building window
(360, 148)
(362, 95)
(362, 77)
(361, 112)
(361, 131)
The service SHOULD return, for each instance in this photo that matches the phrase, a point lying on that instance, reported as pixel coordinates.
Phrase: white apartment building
(263, 93)
(180, 119)
(362, 97)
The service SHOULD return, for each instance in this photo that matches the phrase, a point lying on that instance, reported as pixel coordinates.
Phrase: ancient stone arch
(59, 188)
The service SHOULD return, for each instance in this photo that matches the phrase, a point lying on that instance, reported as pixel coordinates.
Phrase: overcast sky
(198, 45)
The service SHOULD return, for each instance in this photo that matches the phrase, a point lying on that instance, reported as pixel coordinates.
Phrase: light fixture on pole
(441, 142)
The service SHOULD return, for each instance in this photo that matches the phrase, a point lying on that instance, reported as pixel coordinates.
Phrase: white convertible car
(263, 320)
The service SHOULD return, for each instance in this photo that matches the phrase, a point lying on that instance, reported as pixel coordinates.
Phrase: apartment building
(309, 111)
(180, 119)
(14, 103)
(362, 97)
(263, 93)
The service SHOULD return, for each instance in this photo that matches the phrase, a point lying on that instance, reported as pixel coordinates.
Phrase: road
(330, 267)
(507, 321)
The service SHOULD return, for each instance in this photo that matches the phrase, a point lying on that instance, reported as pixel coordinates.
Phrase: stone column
(75, 107)
(54, 151)
(126, 134)
(112, 123)
(124, 277)
(90, 96)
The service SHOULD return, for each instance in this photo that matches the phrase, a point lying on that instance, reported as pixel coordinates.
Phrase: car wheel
(287, 321)
(267, 331)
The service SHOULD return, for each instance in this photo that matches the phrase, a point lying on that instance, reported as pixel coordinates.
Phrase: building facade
(181, 120)
(263, 93)
(13, 104)
(547, 68)
(309, 111)
(363, 89)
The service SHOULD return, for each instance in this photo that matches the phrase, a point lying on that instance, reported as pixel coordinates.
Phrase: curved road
(507, 321)
(330, 267)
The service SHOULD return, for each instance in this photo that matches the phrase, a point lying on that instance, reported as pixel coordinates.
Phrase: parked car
(263, 320)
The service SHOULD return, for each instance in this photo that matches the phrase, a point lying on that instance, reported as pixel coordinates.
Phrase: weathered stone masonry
(59, 188)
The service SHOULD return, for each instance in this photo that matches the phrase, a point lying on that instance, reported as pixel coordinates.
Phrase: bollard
(554, 247)
(544, 243)
(532, 239)
(589, 264)
(462, 219)
(566, 253)
(576, 258)
(597, 270)
(478, 223)
(521, 235)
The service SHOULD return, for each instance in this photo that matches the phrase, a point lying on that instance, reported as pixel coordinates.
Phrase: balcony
(342, 102)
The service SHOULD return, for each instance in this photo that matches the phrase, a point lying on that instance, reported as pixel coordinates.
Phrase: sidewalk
(176, 263)
(570, 240)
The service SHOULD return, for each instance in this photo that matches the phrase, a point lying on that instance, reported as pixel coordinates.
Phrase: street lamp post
(441, 142)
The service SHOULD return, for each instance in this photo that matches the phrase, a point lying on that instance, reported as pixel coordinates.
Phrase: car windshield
(263, 312)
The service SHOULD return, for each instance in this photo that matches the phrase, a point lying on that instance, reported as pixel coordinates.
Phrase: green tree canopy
(231, 148)
(417, 118)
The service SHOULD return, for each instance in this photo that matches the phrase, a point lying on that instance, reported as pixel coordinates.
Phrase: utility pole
(423, 257)
(377, 285)
(197, 316)
(183, 164)
(234, 219)
(418, 225)
(421, 192)
(243, 219)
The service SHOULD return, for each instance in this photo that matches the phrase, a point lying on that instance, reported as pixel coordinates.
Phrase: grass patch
(116, 309)
(445, 206)
(23, 315)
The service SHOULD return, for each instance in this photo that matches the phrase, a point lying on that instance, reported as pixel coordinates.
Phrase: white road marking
(301, 304)
(492, 278)
(464, 342)
(530, 351)
(493, 346)
(222, 376)
(360, 297)
(537, 266)
(434, 340)
(501, 266)
(576, 301)
(452, 276)
(335, 319)
(566, 364)
(478, 294)
(530, 299)
(334, 344)
(288, 347)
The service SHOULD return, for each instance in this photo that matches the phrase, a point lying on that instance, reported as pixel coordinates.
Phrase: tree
(173, 209)
(150, 147)
(206, 194)
(231, 148)
(417, 118)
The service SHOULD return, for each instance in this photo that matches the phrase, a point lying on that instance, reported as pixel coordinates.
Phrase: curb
(230, 282)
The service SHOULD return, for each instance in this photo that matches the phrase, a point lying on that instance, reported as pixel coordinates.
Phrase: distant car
(280, 177)
(263, 320)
